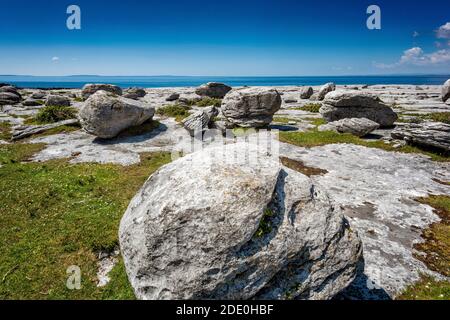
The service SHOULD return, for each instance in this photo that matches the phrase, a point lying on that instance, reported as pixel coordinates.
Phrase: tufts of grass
(176, 111)
(283, 120)
(435, 117)
(426, 289)
(78, 99)
(52, 114)
(265, 226)
(310, 107)
(206, 102)
(56, 214)
(5, 130)
(436, 248)
(316, 138)
(439, 117)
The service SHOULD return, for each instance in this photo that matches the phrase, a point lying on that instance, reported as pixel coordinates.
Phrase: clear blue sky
(246, 37)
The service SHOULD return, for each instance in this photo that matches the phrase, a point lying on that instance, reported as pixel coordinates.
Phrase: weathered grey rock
(343, 104)
(326, 88)
(446, 91)
(9, 98)
(173, 97)
(105, 115)
(10, 89)
(54, 100)
(134, 93)
(90, 89)
(251, 107)
(429, 134)
(31, 103)
(356, 126)
(306, 92)
(38, 95)
(26, 131)
(213, 90)
(200, 120)
(193, 231)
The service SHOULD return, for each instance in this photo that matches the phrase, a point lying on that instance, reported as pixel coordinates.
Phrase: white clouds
(444, 31)
(55, 59)
(416, 57)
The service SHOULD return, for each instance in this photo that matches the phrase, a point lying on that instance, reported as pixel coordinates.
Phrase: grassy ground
(176, 111)
(435, 253)
(436, 117)
(317, 138)
(54, 215)
(310, 107)
(5, 131)
(436, 248)
(427, 289)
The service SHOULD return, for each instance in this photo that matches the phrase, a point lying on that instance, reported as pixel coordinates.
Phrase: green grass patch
(265, 226)
(5, 130)
(78, 99)
(283, 120)
(176, 111)
(206, 102)
(417, 117)
(310, 107)
(426, 289)
(316, 138)
(52, 114)
(316, 121)
(436, 247)
(56, 214)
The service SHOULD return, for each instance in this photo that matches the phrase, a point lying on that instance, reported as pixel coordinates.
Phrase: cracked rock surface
(211, 227)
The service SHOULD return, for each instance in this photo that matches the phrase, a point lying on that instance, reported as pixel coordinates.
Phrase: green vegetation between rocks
(5, 131)
(436, 248)
(52, 114)
(426, 289)
(317, 138)
(206, 102)
(417, 118)
(265, 227)
(56, 214)
(310, 107)
(176, 111)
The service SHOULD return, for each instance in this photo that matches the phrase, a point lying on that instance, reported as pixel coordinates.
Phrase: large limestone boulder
(55, 100)
(199, 121)
(250, 107)
(90, 89)
(446, 91)
(211, 225)
(306, 92)
(428, 134)
(213, 90)
(7, 98)
(356, 126)
(134, 93)
(341, 104)
(325, 89)
(105, 115)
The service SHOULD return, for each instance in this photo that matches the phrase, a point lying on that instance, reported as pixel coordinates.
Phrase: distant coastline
(77, 81)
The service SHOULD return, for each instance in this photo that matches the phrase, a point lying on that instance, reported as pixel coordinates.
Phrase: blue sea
(193, 81)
